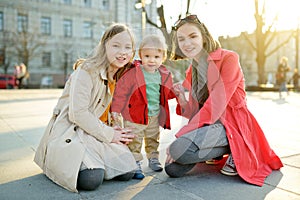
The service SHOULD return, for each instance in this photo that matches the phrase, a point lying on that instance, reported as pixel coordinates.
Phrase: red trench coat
(253, 157)
(130, 97)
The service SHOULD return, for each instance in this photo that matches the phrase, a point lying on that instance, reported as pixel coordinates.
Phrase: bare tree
(6, 60)
(176, 69)
(264, 35)
(25, 45)
(163, 26)
(263, 39)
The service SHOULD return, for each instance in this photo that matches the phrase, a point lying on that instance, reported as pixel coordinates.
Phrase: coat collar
(103, 73)
(215, 55)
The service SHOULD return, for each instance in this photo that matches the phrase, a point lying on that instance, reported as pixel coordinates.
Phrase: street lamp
(140, 4)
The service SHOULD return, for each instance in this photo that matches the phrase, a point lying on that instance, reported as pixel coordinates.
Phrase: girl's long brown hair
(209, 43)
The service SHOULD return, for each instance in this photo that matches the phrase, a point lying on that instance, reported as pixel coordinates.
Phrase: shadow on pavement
(208, 183)
(34, 187)
(205, 182)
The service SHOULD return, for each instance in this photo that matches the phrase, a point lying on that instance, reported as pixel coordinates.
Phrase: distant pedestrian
(17, 74)
(22, 75)
(219, 120)
(295, 78)
(80, 148)
(26, 76)
(141, 98)
(281, 76)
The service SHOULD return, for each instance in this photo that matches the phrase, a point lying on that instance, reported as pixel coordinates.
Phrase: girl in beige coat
(79, 148)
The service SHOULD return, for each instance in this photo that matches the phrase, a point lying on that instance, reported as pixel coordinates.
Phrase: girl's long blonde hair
(98, 59)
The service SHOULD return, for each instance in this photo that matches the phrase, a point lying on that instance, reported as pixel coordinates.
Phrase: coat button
(68, 140)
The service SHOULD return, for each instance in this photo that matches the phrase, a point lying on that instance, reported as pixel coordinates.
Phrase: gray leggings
(91, 179)
(200, 145)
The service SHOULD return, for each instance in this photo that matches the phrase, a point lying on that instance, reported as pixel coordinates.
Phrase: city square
(125, 65)
(24, 115)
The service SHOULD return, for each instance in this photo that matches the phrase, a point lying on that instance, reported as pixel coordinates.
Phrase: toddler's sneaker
(138, 174)
(229, 167)
(155, 165)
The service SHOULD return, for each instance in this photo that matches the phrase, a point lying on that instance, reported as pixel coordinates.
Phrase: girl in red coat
(219, 120)
(141, 98)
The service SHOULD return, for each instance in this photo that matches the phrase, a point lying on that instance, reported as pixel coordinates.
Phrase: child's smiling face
(119, 49)
(151, 58)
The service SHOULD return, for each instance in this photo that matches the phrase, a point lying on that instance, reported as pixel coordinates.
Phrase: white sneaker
(229, 167)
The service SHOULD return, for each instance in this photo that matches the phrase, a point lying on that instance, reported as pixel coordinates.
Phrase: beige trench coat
(75, 135)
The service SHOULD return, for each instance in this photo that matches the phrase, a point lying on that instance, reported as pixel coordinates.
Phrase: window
(46, 59)
(104, 5)
(46, 25)
(67, 2)
(88, 30)
(67, 28)
(22, 23)
(1, 21)
(87, 3)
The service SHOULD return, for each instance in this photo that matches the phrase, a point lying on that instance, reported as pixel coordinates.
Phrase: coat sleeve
(222, 83)
(187, 109)
(123, 92)
(81, 89)
(169, 86)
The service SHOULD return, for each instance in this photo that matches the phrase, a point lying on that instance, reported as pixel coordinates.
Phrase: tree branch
(149, 20)
(280, 45)
(270, 40)
(249, 41)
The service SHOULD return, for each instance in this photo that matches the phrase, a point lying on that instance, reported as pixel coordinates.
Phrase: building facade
(49, 35)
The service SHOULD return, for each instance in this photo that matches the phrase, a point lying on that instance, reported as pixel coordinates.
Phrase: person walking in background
(80, 148)
(21, 75)
(17, 73)
(295, 79)
(141, 98)
(219, 120)
(281, 77)
(25, 74)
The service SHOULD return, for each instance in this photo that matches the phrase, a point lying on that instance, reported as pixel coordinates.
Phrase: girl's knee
(179, 148)
(125, 177)
(90, 179)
